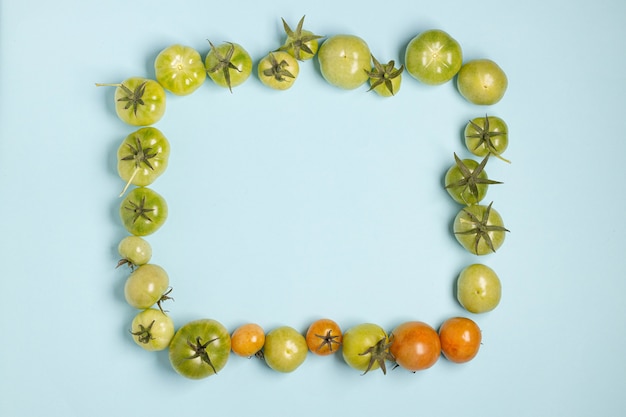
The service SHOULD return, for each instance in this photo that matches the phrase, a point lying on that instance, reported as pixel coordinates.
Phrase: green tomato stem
(130, 180)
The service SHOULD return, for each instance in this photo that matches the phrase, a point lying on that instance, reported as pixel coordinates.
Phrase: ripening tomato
(460, 339)
(467, 181)
(247, 339)
(324, 337)
(415, 345)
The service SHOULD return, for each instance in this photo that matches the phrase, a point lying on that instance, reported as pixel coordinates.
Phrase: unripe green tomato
(145, 286)
(344, 61)
(482, 82)
(152, 329)
(135, 250)
(278, 70)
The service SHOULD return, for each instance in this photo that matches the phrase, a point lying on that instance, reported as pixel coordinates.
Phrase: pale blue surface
(277, 222)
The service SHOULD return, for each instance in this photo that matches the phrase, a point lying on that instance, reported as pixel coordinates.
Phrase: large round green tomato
(143, 211)
(180, 69)
(433, 57)
(285, 349)
(487, 135)
(146, 286)
(200, 349)
(366, 347)
(135, 251)
(143, 155)
(345, 61)
(482, 81)
(478, 288)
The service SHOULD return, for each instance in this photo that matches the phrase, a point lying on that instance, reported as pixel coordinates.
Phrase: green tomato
(200, 348)
(345, 61)
(285, 349)
(139, 101)
(142, 157)
(143, 211)
(433, 57)
(466, 181)
(179, 69)
(146, 286)
(301, 44)
(366, 347)
(278, 70)
(152, 329)
(134, 251)
(385, 79)
(479, 229)
(228, 64)
(478, 288)
(482, 82)
(487, 135)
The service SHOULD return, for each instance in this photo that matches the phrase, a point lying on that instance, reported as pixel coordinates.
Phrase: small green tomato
(278, 70)
(152, 329)
(135, 251)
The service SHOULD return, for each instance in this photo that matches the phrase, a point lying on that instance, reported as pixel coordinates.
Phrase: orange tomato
(247, 339)
(415, 345)
(460, 339)
(324, 337)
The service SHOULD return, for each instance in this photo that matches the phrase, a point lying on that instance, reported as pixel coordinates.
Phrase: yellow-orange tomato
(415, 345)
(460, 339)
(324, 337)
(247, 339)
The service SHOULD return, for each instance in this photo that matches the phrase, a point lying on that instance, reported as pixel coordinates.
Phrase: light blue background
(289, 206)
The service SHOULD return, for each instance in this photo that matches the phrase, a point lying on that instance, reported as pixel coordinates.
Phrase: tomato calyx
(278, 70)
(297, 40)
(383, 74)
(327, 340)
(379, 353)
(144, 334)
(125, 261)
(139, 156)
(164, 298)
(224, 63)
(139, 210)
(199, 349)
(471, 179)
(481, 228)
(484, 136)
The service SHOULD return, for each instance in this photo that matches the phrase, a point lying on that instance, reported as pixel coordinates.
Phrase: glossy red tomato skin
(415, 345)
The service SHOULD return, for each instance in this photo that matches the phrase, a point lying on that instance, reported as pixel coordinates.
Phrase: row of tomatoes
(202, 347)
